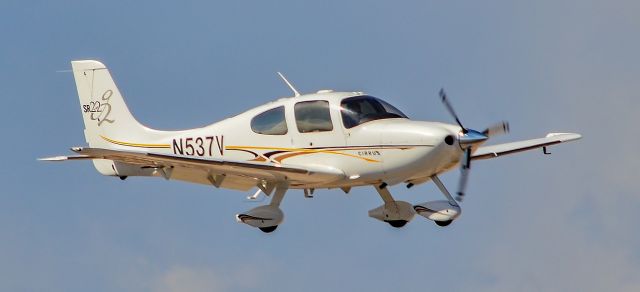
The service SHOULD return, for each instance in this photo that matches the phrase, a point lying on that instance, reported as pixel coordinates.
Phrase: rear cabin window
(271, 122)
(313, 116)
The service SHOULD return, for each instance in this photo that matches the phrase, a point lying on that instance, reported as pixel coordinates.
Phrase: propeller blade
(465, 168)
(447, 104)
(497, 129)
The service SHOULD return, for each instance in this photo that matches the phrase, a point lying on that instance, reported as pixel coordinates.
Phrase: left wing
(211, 169)
(493, 151)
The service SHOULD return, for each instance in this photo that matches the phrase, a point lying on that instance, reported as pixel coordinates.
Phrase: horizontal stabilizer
(64, 158)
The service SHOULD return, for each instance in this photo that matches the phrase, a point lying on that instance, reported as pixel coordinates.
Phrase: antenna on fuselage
(295, 92)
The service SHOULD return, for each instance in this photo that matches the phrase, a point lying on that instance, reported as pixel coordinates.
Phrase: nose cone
(471, 137)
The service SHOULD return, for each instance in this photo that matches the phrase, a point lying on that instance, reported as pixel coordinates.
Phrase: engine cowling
(438, 210)
(261, 217)
(393, 211)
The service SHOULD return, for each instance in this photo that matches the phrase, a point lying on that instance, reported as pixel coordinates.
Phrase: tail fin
(107, 120)
(106, 116)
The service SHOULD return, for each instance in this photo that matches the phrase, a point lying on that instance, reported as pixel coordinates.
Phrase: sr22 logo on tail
(100, 110)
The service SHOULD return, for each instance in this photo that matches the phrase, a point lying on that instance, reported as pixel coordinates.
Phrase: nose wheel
(441, 212)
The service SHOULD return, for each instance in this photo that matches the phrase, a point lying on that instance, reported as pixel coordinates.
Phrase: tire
(443, 223)
(397, 223)
(268, 229)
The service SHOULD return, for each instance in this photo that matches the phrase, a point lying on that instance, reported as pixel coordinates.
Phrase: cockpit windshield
(358, 110)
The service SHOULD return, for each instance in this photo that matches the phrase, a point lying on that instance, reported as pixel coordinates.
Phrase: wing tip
(564, 137)
(64, 158)
(54, 158)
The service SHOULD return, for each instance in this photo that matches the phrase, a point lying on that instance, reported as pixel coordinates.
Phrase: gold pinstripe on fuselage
(282, 152)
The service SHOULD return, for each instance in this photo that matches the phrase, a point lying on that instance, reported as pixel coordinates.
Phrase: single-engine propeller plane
(322, 140)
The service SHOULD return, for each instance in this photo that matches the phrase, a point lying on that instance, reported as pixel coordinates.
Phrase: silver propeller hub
(471, 137)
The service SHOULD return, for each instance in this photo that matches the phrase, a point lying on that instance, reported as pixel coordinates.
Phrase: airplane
(322, 140)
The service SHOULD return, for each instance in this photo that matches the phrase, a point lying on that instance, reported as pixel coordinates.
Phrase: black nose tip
(449, 140)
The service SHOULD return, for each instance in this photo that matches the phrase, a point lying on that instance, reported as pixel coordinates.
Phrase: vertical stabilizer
(104, 112)
(107, 120)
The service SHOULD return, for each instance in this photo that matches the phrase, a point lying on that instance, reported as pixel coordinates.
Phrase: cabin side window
(271, 122)
(313, 116)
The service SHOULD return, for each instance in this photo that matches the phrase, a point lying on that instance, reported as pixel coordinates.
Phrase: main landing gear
(396, 213)
(267, 217)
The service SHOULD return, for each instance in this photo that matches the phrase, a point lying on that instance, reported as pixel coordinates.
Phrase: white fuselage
(390, 150)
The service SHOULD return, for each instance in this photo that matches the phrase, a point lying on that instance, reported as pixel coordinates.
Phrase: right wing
(493, 151)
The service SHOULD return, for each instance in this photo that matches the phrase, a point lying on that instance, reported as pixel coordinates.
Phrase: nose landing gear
(441, 212)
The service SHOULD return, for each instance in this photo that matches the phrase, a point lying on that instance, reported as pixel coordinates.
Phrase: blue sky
(531, 222)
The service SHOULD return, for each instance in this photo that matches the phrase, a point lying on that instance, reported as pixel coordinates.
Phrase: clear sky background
(530, 222)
